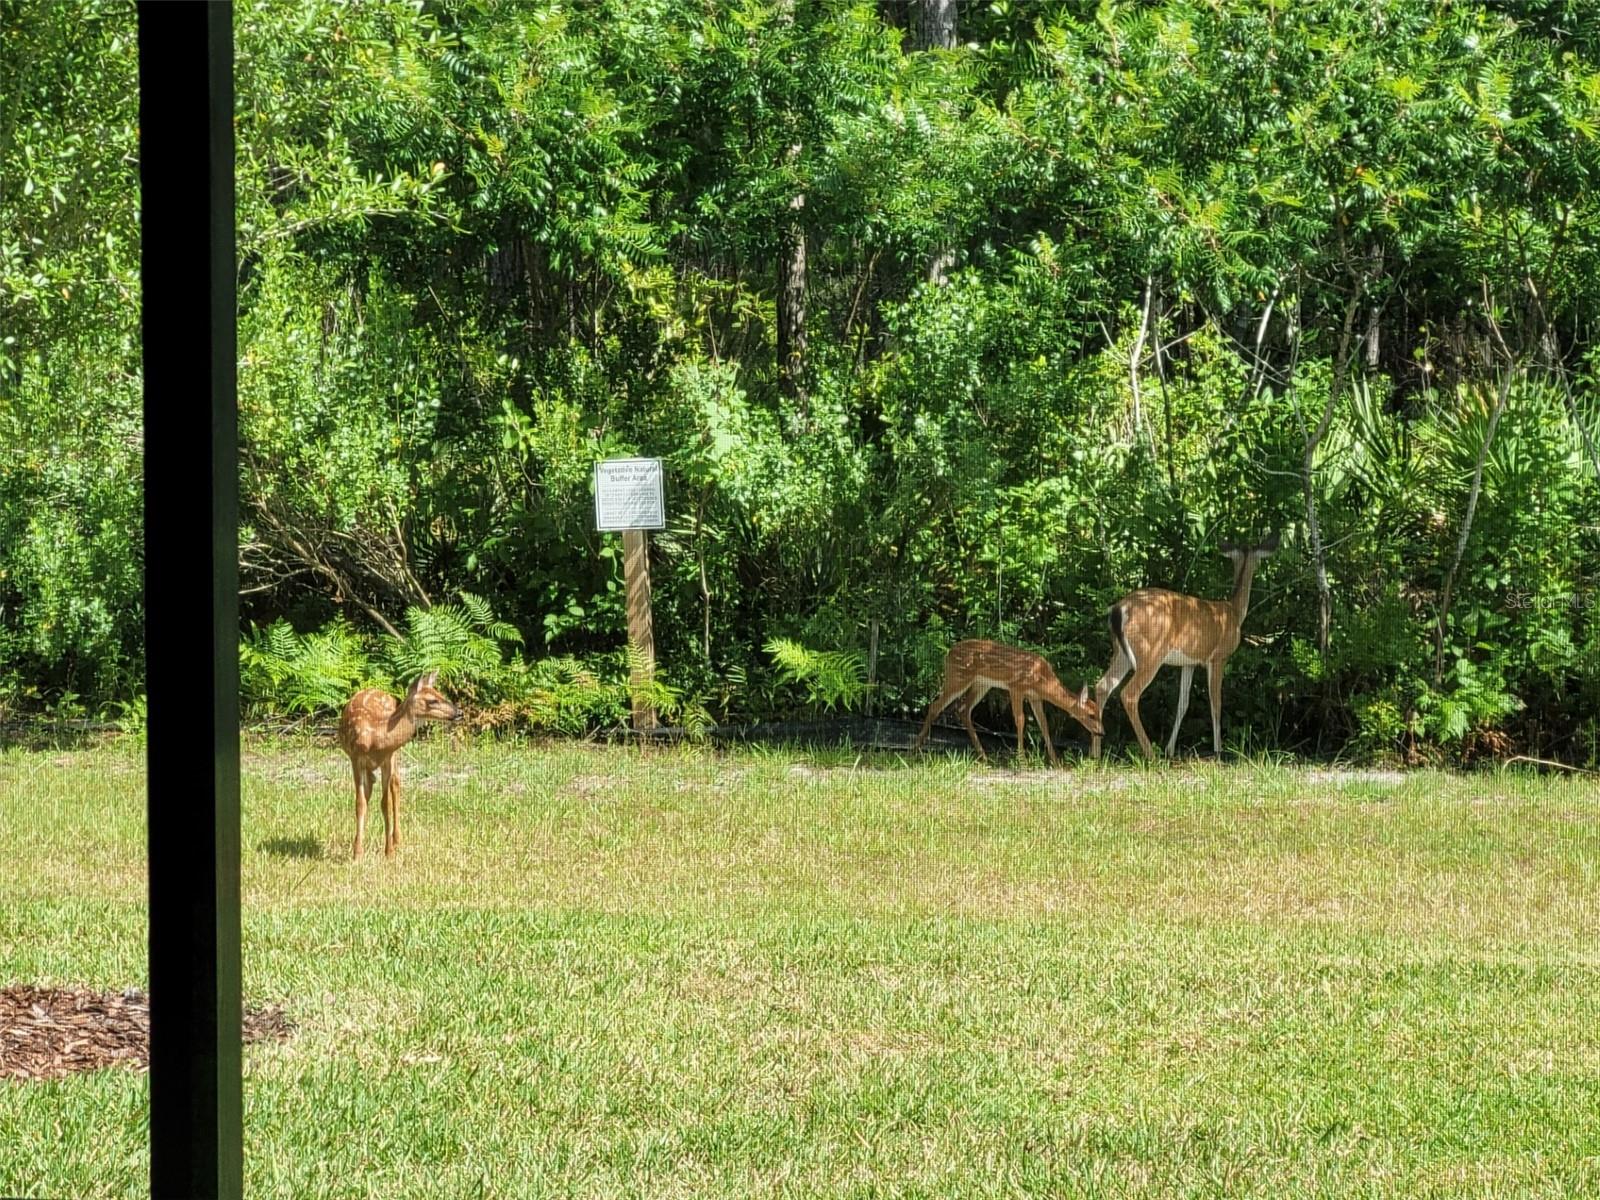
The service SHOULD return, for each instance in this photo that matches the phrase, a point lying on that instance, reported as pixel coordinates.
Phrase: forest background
(947, 320)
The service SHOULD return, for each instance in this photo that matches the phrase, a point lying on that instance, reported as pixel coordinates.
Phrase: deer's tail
(1115, 618)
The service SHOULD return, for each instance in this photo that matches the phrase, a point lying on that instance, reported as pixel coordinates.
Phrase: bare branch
(1134, 358)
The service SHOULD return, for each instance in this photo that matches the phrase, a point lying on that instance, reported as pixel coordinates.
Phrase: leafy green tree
(946, 321)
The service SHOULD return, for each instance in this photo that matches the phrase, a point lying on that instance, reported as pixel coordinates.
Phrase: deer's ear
(1083, 696)
(431, 679)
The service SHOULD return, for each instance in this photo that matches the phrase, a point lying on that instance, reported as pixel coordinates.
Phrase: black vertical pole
(191, 596)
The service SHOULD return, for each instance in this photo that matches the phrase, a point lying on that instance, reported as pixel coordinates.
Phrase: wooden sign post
(628, 497)
(641, 630)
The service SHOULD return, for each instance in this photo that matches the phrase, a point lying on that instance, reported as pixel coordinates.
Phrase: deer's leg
(1019, 718)
(363, 790)
(1044, 727)
(976, 693)
(934, 709)
(1214, 686)
(1130, 704)
(391, 808)
(384, 793)
(394, 806)
(1184, 681)
(1103, 688)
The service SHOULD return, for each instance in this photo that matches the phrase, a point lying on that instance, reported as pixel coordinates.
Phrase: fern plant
(282, 671)
(672, 703)
(464, 642)
(831, 678)
(567, 696)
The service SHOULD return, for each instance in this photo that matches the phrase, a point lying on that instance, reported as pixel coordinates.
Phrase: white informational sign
(628, 494)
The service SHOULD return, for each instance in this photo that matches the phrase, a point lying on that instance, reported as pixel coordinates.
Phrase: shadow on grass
(300, 847)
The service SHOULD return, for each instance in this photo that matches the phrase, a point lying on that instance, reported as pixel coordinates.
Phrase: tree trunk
(1258, 365)
(792, 304)
(1135, 357)
(1374, 309)
(791, 297)
(935, 29)
(936, 25)
(1166, 399)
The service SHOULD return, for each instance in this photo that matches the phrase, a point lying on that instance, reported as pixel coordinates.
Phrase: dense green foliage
(1204, 270)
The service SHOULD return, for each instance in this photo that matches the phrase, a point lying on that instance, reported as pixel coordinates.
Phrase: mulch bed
(46, 1033)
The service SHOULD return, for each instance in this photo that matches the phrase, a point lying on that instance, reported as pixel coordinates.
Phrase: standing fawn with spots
(974, 667)
(372, 728)
(1154, 627)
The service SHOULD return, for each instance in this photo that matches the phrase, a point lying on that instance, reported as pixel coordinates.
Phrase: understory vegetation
(947, 320)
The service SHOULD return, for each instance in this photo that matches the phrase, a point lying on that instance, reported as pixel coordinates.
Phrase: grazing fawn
(1153, 627)
(973, 667)
(372, 728)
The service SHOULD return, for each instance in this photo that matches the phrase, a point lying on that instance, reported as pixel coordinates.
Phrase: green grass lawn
(596, 972)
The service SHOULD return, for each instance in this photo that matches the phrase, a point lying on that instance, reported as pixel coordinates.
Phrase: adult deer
(372, 728)
(1152, 628)
(973, 667)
